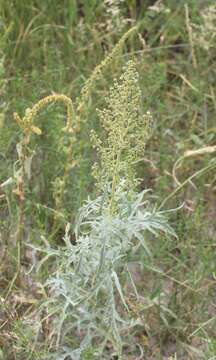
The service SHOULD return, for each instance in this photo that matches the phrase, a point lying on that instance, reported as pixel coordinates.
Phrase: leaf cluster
(87, 290)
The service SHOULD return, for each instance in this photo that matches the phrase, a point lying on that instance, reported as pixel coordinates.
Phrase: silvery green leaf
(118, 286)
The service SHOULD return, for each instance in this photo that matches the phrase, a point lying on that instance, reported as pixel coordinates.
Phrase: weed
(86, 292)
(52, 47)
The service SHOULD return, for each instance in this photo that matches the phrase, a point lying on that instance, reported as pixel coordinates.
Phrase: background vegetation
(49, 47)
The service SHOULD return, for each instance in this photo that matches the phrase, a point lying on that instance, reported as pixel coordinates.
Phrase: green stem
(114, 182)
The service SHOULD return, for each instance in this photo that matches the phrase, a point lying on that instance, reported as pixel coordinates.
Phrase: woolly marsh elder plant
(88, 303)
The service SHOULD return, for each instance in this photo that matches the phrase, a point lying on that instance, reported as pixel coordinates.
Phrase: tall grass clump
(88, 304)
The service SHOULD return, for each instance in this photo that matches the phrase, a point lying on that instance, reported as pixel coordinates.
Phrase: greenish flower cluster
(127, 129)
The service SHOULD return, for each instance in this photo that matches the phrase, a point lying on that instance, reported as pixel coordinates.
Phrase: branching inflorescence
(127, 129)
(28, 127)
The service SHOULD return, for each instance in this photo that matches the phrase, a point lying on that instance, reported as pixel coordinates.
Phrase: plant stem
(20, 227)
(114, 182)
